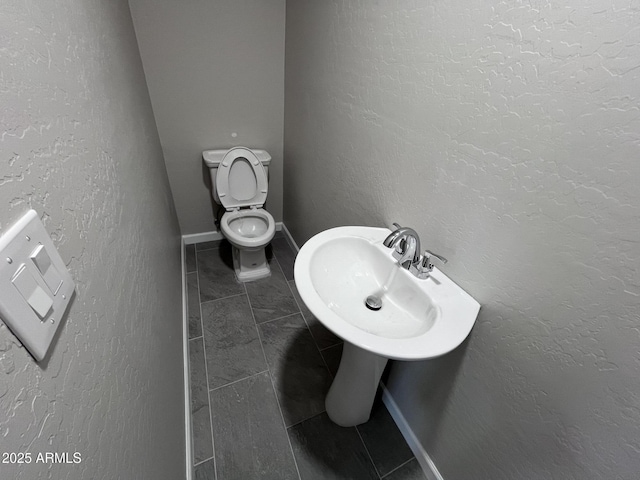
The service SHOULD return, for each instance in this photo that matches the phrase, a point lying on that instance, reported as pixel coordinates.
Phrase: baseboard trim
(201, 237)
(289, 238)
(185, 367)
(427, 465)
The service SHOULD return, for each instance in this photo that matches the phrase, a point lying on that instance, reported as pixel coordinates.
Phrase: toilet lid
(241, 180)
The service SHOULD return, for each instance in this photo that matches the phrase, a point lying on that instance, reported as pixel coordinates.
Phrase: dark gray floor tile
(193, 305)
(279, 234)
(332, 357)
(206, 470)
(208, 245)
(251, 441)
(384, 441)
(200, 419)
(299, 373)
(285, 255)
(324, 450)
(271, 297)
(231, 339)
(216, 275)
(190, 258)
(322, 335)
(409, 471)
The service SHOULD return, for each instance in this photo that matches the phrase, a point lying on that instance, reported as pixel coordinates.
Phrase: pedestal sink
(335, 272)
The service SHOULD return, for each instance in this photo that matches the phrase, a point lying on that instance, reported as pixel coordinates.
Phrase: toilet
(240, 184)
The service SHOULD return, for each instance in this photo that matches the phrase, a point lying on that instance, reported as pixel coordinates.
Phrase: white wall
(213, 69)
(508, 136)
(79, 144)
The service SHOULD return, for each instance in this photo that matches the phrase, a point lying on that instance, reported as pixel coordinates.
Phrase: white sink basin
(339, 268)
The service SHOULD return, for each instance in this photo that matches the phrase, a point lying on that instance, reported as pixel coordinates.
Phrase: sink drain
(373, 303)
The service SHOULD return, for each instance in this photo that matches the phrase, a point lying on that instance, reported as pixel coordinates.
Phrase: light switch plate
(17, 247)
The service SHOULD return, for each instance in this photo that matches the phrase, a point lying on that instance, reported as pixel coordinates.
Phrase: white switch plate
(17, 246)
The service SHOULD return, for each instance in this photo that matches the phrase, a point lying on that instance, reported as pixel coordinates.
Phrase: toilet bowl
(239, 180)
(249, 232)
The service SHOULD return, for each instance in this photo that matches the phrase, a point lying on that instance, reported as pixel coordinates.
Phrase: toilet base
(250, 265)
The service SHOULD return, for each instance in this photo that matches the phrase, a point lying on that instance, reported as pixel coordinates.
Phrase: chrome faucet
(406, 244)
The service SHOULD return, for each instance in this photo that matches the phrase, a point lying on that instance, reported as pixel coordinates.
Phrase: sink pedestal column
(352, 392)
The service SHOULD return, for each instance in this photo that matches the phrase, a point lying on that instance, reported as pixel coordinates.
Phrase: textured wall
(79, 145)
(213, 69)
(508, 135)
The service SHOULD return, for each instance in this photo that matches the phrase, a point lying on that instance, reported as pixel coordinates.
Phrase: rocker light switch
(41, 259)
(43, 262)
(33, 293)
(35, 285)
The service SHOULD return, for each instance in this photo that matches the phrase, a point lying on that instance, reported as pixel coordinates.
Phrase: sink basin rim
(458, 310)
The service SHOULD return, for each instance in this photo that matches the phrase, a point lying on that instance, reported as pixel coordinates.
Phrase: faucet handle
(397, 225)
(424, 268)
(427, 261)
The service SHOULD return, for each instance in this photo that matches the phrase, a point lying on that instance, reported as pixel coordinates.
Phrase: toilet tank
(212, 158)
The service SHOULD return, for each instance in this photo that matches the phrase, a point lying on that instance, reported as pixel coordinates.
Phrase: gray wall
(79, 145)
(508, 135)
(213, 69)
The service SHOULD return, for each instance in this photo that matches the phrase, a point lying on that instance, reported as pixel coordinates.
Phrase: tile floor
(261, 365)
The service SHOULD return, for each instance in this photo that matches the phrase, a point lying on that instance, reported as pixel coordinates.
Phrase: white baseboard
(185, 367)
(288, 236)
(201, 237)
(427, 465)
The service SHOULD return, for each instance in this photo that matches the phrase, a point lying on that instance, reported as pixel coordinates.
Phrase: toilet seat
(241, 180)
(245, 239)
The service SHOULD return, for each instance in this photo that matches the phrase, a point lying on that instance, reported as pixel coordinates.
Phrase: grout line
(315, 342)
(238, 380)
(310, 332)
(294, 297)
(317, 348)
(324, 360)
(273, 386)
(264, 355)
(206, 372)
(208, 248)
(275, 257)
(398, 467)
(309, 418)
(279, 318)
(198, 337)
(368, 453)
(221, 298)
(300, 309)
(341, 342)
(202, 461)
